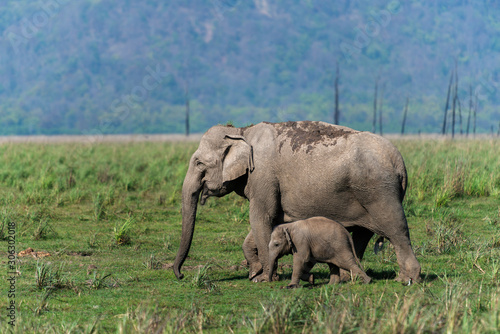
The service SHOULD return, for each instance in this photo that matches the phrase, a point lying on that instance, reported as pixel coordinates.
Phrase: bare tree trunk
(443, 130)
(455, 100)
(380, 110)
(404, 117)
(187, 111)
(336, 114)
(374, 124)
(453, 117)
(470, 109)
(475, 113)
(460, 115)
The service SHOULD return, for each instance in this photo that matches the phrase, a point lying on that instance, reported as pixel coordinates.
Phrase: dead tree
(460, 115)
(455, 102)
(475, 113)
(443, 130)
(336, 114)
(470, 109)
(380, 111)
(187, 110)
(453, 117)
(404, 117)
(374, 124)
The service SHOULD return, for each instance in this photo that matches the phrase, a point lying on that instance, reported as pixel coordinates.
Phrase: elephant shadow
(391, 275)
(381, 275)
(322, 277)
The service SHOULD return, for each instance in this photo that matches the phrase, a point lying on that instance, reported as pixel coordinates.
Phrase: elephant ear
(289, 239)
(238, 158)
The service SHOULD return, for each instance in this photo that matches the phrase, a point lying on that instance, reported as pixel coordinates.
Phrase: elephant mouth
(206, 193)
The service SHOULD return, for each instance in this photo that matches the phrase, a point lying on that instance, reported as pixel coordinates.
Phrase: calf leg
(350, 266)
(301, 269)
(306, 275)
(334, 274)
(361, 237)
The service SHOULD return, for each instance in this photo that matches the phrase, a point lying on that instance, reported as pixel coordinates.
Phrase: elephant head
(281, 244)
(217, 168)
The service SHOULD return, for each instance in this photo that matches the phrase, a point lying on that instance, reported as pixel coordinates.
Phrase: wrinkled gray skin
(296, 170)
(313, 240)
(251, 255)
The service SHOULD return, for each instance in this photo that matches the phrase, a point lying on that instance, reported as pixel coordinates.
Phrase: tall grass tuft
(42, 230)
(202, 280)
(98, 281)
(284, 316)
(99, 207)
(146, 318)
(122, 232)
(48, 278)
(444, 236)
(152, 263)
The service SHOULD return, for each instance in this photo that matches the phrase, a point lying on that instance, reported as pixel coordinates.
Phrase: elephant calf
(314, 240)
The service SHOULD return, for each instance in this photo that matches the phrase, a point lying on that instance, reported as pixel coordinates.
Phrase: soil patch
(309, 134)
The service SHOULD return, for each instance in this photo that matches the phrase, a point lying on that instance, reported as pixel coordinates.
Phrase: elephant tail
(398, 169)
(358, 262)
(402, 175)
(404, 182)
(379, 245)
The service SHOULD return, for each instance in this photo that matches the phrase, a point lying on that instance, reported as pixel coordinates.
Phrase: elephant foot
(292, 286)
(366, 279)
(265, 278)
(255, 269)
(407, 280)
(345, 276)
(260, 278)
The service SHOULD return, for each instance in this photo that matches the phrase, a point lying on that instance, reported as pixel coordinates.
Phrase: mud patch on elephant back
(309, 134)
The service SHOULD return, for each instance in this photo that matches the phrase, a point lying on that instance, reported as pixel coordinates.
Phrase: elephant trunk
(190, 193)
(273, 259)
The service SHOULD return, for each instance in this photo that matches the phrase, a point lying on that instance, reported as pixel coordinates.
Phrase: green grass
(109, 215)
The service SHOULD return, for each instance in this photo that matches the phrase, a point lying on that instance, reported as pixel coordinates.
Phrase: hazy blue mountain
(126, 66)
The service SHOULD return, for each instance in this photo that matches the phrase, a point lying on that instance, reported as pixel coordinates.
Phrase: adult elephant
(296, 170)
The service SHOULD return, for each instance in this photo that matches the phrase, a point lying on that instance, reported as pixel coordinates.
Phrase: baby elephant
(314, 240)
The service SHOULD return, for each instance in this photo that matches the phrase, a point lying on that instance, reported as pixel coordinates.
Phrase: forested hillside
(127, 66)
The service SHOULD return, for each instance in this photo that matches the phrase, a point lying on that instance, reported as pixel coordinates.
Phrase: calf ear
(289, 239)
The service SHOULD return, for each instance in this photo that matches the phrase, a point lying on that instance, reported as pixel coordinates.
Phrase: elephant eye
(276, 244)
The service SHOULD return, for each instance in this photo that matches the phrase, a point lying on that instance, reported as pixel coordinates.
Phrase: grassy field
(109, 216)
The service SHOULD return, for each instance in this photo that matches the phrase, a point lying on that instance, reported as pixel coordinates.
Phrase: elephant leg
(390, 218)
(306, 274)
(350, 265)
(261, 224)
(409, 268)
(334, 274)
(361, 237)
(301, 269)
(251, 255)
